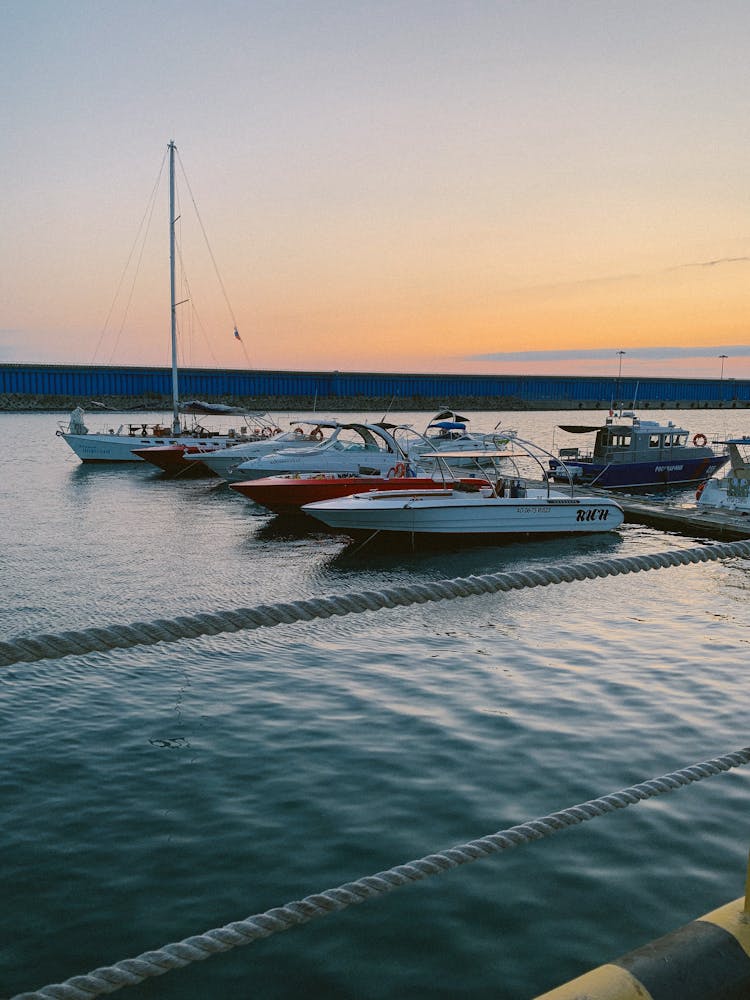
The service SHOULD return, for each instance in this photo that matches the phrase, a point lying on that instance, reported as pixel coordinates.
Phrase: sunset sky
(509, 186)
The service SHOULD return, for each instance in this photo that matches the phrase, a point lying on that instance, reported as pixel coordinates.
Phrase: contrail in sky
(635, 276)
(643, 353)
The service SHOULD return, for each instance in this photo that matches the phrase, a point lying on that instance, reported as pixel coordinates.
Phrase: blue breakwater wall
(91, 382)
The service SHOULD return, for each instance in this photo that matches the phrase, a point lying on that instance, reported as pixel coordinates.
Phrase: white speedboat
(304, 434)
(502, 506)
(119, 444)
(732, 491)
(351, 448)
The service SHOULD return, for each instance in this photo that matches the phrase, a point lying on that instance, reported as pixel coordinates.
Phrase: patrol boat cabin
(628, 451)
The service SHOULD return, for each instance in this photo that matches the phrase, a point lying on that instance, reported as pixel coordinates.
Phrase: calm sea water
(154, 793)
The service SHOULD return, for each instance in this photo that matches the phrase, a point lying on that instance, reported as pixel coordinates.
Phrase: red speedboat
(170, 457)
(287, 494)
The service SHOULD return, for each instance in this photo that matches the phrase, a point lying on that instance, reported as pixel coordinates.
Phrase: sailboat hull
(109, 447)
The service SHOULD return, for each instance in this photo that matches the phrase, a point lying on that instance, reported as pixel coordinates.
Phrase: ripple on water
(152, 793)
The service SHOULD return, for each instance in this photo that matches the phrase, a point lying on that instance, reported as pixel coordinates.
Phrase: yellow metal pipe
(705, 960)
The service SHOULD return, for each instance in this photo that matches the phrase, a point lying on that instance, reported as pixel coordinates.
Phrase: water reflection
(93, 473)
(289, 527)
(464, 557)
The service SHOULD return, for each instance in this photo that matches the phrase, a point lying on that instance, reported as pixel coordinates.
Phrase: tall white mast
(172, 220)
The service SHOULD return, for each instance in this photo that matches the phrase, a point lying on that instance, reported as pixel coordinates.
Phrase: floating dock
(689, 519)
(700, 522)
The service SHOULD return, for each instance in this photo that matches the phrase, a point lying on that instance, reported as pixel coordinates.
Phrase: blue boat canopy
(448, 425)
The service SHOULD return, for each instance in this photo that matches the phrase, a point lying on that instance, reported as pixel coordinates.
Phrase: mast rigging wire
(146, 218)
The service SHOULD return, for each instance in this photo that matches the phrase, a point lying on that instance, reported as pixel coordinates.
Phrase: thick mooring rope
(92, 640)
(132, 971)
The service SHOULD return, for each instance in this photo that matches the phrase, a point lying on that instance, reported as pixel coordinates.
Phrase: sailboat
(121, 444)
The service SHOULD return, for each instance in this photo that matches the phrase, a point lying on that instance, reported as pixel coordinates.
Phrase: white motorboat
(732, 491)
(186, 427)
(351, 448)
(502, 506)
(447, 432)
(303, 434)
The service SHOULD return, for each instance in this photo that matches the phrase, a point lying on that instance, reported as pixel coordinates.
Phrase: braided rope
(91, 640)
(177, 955)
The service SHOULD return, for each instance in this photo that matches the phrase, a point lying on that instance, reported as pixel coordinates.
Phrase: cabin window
(653, 441)
(667, 440)
(620, 440)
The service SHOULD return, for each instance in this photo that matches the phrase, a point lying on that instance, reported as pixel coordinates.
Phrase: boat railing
(534, 451)
(486, 461)
(413, 452)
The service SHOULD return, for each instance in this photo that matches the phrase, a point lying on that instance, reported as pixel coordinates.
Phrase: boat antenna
(388, 408)
(618, 401)
(173, 304)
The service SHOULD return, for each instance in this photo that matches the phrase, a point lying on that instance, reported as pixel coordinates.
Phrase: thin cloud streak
(641, 353)
(632, 276)
(711, 263)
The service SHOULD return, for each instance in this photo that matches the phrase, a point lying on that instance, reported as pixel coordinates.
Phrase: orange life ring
(700, 440)
(391, 473)
(399, 470)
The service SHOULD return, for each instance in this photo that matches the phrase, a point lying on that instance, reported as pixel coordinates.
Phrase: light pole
(618, 401)
(721, 378)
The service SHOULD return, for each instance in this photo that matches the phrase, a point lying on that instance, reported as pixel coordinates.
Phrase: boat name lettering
(669, 468)
(593, 514)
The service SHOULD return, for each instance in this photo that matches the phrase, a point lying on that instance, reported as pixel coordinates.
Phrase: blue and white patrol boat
(628, 451)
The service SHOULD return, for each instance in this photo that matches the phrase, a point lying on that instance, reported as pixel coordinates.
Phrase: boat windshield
(361, 437)
(369, 440)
